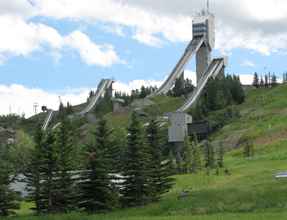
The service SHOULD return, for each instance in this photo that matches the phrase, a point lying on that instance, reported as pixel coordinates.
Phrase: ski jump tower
(203, 33)
(201, 46)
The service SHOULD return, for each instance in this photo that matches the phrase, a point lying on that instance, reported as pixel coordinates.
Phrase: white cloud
(145, 23)
(90, 52)
(190, 75)
(21, 38)
(246, 79)
(257, 25)
(114, 29)
(18, 104)
(135, 84)
(248, 63)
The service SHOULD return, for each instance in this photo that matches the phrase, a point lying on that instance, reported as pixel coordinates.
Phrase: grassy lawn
(251, 192)
(226, 216)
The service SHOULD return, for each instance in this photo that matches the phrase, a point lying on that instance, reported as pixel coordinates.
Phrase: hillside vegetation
(250, 191)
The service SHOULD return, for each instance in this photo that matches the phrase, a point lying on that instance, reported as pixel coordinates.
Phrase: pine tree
(220, 156)
(208, 155)
(195, 155)
(33, 172)
(158, 169)
(187, 157)
(178, 88)
(134, 190)
(261, 82)
(255, 80)
(266, 81)
(97, 192)
(48, 170)
(69, 108)
(248, 150)
(8, 198)
(64, 181)
(273, 80)
(62, 111)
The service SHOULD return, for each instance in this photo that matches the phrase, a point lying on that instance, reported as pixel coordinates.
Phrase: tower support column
(203, 58)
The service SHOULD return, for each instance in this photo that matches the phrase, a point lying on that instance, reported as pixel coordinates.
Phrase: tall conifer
(134, 190)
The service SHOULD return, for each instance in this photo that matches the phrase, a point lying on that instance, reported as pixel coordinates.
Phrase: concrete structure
(105, 86)
(119, 106)
(204, 28)
(202, 44)
(179, 129)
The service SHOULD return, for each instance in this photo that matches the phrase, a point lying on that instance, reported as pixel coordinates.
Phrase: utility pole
(35, 106)
(207, 6)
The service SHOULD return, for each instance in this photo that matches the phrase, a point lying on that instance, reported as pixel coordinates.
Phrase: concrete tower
(204, 28)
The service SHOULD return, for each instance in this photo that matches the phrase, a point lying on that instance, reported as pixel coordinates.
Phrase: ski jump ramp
(190, 51)
(104, 85)
(215, 68)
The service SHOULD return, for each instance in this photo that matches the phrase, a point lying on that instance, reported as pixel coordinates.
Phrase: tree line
(99, 177)
(267, 81)
(218, 94)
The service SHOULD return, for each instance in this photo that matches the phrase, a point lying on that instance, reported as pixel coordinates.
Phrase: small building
(119, 106)
(178, 129)
(200, 128)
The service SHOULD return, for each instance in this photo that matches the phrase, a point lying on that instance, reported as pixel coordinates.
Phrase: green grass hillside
(250, 192)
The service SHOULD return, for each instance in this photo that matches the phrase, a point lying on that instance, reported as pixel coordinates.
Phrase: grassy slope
(251, 192)
(162, 104)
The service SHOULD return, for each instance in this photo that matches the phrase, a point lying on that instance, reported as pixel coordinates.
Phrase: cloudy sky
(51, 48)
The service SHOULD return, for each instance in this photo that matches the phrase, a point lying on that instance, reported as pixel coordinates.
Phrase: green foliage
(220, 156)
(181, 87)
(255, 80)
(97, 192)
(104, 106)
(209, 155)
(33, 171)
(248, 148)
(158, 169)
(218, 94)
(65, 185)
(195, 155)
(186, 165)
(134, 190)
(8, 173)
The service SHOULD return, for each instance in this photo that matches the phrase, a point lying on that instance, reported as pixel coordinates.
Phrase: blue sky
(51, 48)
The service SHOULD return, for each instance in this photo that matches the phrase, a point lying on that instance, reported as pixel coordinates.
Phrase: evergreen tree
(220, 156)
(33, 172)
(134, 190)
(261, 82)
(8, 198)
(158, 169)
(273, 80)
(178, 88)
(266, 81)
(187, 157)
(255, 80)
(248, 150)
(62, 111)
(69, 108)
(64, 182)
(48, 170)
(143, 92)
(195, 155)
(208, 155)
(97, 192)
